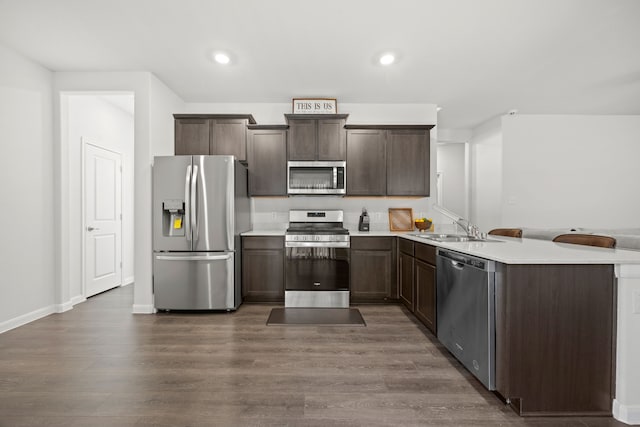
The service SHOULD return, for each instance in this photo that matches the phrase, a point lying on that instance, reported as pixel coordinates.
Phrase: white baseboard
(26, 318)
(78, 299)
(127, 281)
(628, 414)
(143, 309)
(65, 306)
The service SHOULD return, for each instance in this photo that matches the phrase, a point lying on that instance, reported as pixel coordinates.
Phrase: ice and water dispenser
(172, 218)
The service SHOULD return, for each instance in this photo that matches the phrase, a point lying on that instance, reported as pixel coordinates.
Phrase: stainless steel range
(317, 259)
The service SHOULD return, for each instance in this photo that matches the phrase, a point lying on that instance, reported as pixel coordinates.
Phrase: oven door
(316, 268)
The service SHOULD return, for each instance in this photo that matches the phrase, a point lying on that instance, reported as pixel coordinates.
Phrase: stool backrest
(507, 232)
(586, 239)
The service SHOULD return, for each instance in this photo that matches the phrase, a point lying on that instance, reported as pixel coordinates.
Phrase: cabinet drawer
(406, 246)
(372, 243)
(426, 253)
(263, 242)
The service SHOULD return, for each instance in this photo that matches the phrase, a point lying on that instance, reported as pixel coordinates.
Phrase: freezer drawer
(194, 281)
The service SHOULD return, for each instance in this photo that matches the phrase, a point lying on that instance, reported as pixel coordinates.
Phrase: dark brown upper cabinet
(388, 160)
(316, 136)
(366, 159)
(408, 162)
(267, 158)
(223, 134)
(192, 136)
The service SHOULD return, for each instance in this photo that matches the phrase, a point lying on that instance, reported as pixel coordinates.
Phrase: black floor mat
(316, 317)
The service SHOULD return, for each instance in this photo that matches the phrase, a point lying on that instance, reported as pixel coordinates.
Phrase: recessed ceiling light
(387, 59)
(438, 108)
(221, 58)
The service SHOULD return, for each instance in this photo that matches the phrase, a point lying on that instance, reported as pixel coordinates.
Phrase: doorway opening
(99, 131)
(452, 176)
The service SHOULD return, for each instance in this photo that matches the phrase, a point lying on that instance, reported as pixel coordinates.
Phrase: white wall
(559, 171)
(163, 104)
(92, 117)
(453, 174)
(27, 289)
(486, 175)
(146, 90)
(571, 171)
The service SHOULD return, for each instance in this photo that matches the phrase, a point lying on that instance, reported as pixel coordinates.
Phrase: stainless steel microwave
(314, 177)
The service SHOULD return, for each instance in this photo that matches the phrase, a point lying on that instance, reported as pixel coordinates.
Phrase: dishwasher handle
(459, 261)
(457, 265)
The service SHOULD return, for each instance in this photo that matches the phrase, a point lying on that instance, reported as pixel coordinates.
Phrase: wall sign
(315, 106)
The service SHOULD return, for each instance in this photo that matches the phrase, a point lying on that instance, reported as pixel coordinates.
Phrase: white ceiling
(475, 58)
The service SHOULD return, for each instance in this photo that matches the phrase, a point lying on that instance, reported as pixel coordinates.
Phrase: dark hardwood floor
(99, 365)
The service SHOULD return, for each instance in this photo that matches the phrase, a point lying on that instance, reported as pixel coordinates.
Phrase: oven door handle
(316, 245)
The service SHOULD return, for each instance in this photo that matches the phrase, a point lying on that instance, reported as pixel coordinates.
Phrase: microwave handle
(335, 177)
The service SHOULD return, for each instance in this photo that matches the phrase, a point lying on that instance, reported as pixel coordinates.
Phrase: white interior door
(103, 219)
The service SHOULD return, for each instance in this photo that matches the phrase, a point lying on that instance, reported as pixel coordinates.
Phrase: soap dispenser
(363, 224)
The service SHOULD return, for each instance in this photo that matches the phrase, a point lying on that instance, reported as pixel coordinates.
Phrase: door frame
(83, 205)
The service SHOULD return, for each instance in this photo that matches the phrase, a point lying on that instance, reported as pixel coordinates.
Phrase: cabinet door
(370, 276)
(406, 266)
(302, 140)
(192, 136)
(332, 140)
(425, 296)
(263, 275)
(408, 162)
(366, 159)
(267, 162)
(229, 138)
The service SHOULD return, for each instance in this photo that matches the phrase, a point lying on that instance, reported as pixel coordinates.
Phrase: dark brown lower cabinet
(405, 273)
(425, 295)
(417, 277)
(263, 268)
(373, 269)
(555, 338)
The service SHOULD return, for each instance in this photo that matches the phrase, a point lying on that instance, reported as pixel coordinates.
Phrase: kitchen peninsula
(562, 319)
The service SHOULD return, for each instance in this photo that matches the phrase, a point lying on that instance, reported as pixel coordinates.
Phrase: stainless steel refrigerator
(200, 207)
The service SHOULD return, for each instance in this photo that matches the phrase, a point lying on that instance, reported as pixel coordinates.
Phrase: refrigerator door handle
(187, 204)
(194, 199)
(194, 258)
(231, 192)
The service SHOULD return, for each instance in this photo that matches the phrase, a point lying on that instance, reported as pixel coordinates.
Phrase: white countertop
(509, 250)
(263, 233)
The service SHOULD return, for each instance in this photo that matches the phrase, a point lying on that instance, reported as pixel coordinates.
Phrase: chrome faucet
(472, 230)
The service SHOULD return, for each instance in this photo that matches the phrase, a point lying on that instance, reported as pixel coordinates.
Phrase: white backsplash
(272, 213)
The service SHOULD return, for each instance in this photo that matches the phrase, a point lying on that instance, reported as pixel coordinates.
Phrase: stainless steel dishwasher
(466, 311)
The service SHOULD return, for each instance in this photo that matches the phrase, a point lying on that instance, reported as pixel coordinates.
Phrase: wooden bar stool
(586, 239)
(507, 232)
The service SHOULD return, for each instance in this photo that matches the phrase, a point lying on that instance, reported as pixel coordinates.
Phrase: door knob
(92, 228)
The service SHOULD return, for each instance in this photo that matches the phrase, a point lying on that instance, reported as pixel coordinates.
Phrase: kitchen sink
(453, 238)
